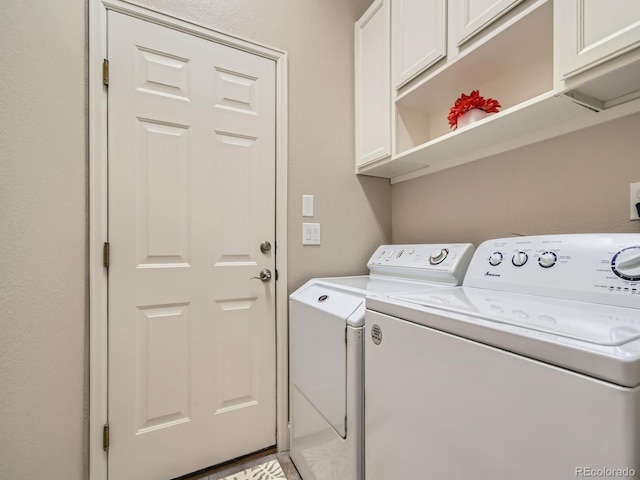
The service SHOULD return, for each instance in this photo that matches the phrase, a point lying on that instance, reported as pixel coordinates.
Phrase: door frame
(98, 215)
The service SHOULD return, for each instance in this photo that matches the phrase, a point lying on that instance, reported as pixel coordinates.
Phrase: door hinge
(105, 72)
(105, 255)
(105, 437)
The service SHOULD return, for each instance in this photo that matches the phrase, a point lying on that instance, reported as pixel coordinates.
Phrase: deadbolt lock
(265, 247)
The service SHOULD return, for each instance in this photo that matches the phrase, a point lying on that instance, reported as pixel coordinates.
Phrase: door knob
(265, 247)
(265, 275)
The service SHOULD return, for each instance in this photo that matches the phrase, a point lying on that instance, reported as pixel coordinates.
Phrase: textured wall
(43, 225)
(572, 184)
(354, 213)
(43, 197)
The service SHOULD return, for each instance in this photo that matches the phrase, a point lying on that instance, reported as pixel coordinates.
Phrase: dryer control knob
(519, 259)
(495, 259)
(438, 256)
(547, 259)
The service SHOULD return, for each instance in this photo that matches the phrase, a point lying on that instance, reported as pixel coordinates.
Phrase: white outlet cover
(634, 198)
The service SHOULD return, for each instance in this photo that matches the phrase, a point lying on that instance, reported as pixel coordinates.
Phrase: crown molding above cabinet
(555, 67)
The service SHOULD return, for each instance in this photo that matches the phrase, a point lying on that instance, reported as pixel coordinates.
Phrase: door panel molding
(98, 229)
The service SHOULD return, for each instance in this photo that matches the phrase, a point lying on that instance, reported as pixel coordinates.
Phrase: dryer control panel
(442, 263)
(600, 268)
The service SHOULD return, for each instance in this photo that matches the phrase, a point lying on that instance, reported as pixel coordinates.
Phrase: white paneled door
(191, 128)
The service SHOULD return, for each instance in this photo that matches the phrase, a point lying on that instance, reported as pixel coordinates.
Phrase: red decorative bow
(468, 102)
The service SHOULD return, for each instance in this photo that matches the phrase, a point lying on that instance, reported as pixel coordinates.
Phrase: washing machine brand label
(322, 298)
(489, 274)
(376, 334)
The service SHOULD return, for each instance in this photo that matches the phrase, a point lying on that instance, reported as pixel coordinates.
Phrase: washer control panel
(626, 263)
(600, 268)
(442, 263)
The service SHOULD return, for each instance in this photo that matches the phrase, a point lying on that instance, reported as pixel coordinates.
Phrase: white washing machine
(529, 371)
(326, 318)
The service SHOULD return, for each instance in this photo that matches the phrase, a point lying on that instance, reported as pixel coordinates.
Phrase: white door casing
(170, 262)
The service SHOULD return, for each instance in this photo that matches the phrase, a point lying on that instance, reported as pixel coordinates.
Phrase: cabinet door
(590, 32)
(418, 37)
(373, 84)
(472, 16)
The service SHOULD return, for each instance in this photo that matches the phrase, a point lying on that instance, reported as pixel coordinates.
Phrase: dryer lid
(333, 303)
(375, 285)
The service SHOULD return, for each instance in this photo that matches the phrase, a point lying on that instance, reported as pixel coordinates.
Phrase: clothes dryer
(326, 318)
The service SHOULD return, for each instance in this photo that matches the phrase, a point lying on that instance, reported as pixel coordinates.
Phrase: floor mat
(270, 470)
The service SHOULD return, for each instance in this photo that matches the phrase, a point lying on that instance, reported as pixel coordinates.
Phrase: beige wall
(43, 234)
(576, 183)
(354, 213)
(572, 184)
(43, 197)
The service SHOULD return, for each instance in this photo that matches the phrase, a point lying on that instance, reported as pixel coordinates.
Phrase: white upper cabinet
(591, 32)
(555, 66)
(490, 63)
(472, 16)
(597, 51)
(419, 31)
(373, 84)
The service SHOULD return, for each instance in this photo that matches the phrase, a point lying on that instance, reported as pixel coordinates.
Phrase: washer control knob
(547, 259)
(519, 259)
(626, 263)
(438, 256)
(495, 259)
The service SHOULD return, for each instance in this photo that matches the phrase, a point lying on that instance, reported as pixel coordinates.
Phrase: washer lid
(587, 322)
(597, 340)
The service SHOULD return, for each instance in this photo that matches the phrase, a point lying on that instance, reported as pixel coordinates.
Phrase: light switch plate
(311, 234)
(307, 205)
(634, 198)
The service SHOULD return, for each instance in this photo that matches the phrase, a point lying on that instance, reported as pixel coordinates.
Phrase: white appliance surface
(598, 340)
(326, 326)
(529, 370)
